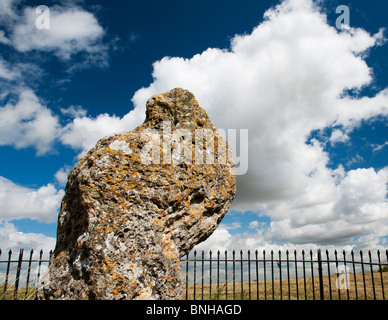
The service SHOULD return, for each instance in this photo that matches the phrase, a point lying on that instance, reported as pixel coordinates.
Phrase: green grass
(9, 293)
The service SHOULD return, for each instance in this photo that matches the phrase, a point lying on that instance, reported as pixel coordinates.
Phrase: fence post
(312, 272)
(354, 274)
(280, 275)
(304, 275)
(226, 275)
(187, 277)
(28, 274)
(273, 280)
(218, 274)
(203, 275)
(242, 275)
(265, 277)
(321, 288)
(249, 274)
(7, 273)
(195, 273)
(210, 275)
(381, 274)
(234, 274)
(371, 273)
(19, 268)
(296, 276)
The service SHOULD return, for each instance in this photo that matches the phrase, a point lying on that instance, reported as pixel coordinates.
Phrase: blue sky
(314, 99)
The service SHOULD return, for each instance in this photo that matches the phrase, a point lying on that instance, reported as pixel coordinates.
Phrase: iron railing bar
(296, 277)
(202, 269)
(363, 275)
(312, 272)
(337, 271)
(371, 273)
(280, 275)
(234, 275)
(381, 274)
(249, 275)
(218, 272)
(265, 277)
(226, 275)
(39, 267)
(304, 275)
(346, 274)
(272, 276)
(187, 276)
(328, 272)
(354, 274)
(242, 275)
(7, 273)
(257, 276)
(320, 274)
(28, 273)
(288, 276)
(195, 273)
(210, 274)
(18, 270)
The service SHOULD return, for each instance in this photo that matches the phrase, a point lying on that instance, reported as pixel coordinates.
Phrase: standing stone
(137, 202)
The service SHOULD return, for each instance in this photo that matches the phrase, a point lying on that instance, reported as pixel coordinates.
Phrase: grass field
(9, 293)
(292, 289)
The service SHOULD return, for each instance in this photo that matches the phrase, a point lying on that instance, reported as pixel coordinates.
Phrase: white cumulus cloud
(286, 78)
(283, 80)
(71, 30)
(17, 202)
(12, 238)
(28, 123)
(83, 132)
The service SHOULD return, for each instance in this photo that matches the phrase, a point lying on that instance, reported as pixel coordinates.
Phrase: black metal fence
(285, 275)
(241, 275)
(13, 272)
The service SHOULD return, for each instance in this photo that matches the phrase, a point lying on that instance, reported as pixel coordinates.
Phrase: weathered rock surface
(125, 221)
